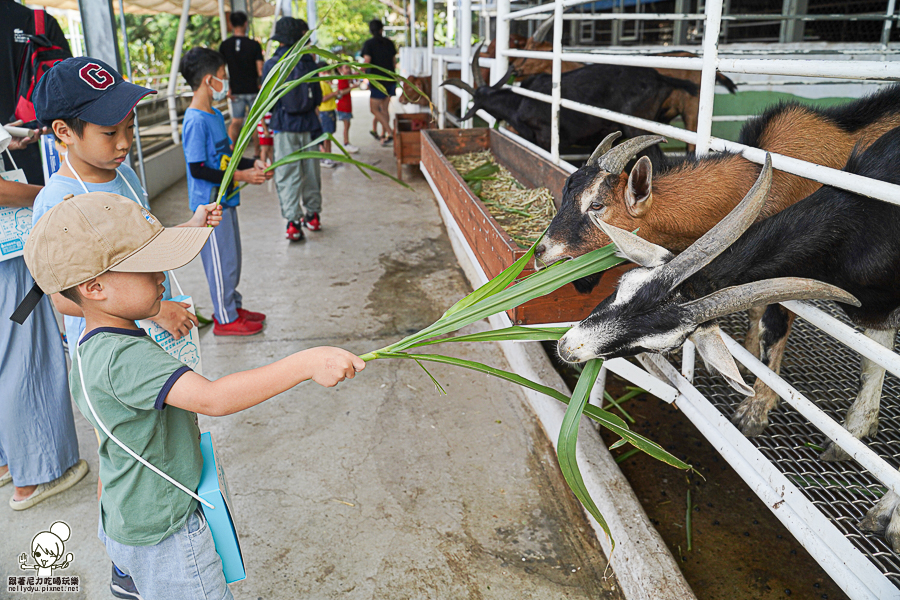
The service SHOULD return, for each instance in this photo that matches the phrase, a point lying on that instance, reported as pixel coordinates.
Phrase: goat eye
(596, 206)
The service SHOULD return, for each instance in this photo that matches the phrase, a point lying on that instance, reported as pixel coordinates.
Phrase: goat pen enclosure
(804, 55)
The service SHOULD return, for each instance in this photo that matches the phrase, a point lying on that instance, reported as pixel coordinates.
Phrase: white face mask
(220, 95)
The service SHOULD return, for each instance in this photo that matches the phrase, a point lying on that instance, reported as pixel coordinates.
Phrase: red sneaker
(294, 232)
(249, 315)
(312, 222)
(239, 326)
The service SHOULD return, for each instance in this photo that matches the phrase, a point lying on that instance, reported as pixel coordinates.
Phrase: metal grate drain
(827, 373)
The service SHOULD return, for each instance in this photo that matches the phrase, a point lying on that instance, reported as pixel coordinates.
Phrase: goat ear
(708, 339)
(639, 193)
(630, 246)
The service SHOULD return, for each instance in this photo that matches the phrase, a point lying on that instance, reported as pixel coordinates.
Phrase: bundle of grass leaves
(523, 213)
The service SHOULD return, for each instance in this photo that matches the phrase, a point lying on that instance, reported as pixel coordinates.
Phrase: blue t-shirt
(205, 140)
(59, 187)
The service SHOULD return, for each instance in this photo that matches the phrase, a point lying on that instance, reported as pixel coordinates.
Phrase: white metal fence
(851, 570)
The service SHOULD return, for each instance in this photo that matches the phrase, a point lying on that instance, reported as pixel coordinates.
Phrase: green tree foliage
(151, 40)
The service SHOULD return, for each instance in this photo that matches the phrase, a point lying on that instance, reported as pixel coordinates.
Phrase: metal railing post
(555, 78)
(465, 54)
(501, 61)
(888, 23)
(711, 28)
(173, 74)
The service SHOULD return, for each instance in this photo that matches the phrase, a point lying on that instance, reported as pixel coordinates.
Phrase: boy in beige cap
(107, 255)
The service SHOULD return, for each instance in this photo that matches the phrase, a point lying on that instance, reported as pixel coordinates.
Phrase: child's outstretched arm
(206, 215)
(325, 365)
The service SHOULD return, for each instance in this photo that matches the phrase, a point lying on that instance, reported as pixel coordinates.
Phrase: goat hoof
(833, 453)
(750, 420)
(883, 517)
(873, 522)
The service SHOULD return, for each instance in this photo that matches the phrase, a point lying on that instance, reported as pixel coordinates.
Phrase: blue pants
(184, 565)
(222, 263)
(37, 427)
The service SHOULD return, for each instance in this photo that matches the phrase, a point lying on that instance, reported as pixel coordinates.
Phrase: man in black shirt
(381, 52)
(15, 22)
(244, 57)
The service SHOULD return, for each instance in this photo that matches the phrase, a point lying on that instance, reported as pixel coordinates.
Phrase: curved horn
(460, 84)
(476, 68)
(604, 147)
(614, 160)
(716, 240)
(769, 291)
(630, 246)
(541, 32)
(499, 84)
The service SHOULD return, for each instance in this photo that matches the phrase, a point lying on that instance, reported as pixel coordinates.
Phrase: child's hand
(175, 318)
(255, 176)
(258, 164)
(206, 214)
(330, 366)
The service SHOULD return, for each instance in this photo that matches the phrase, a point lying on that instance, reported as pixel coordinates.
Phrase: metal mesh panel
(826, 372)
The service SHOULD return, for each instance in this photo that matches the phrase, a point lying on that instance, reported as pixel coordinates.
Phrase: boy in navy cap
(90, 109)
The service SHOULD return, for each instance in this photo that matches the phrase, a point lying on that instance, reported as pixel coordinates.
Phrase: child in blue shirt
(90, 109)
(207, 150)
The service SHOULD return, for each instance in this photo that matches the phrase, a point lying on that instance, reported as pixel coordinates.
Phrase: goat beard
(586, 285)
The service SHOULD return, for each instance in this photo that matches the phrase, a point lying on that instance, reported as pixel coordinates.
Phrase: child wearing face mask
(207, 151)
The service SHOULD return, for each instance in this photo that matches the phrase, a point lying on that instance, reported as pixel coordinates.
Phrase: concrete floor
(381, 487)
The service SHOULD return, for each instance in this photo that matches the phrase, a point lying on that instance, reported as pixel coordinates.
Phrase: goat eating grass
(833, 245)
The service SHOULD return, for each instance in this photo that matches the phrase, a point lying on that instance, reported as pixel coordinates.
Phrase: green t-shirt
(128, 377)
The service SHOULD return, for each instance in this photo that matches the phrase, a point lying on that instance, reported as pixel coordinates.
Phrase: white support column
(430, 33)
(555, 78)
(173, 74)
(711, 28)
(412, 23)
(888, 23)
(223, 26)
(137, 126)
(439, 94)
(312, 18)
(501, 62)
(465, 53)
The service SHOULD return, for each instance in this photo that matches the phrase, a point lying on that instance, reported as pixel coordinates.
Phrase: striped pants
(222, 263)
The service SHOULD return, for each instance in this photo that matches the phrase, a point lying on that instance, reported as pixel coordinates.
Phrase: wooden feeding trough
(493, 247)
(407, 141)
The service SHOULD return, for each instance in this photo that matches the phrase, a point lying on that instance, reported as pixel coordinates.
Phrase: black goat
(833, 236)
(636, 91)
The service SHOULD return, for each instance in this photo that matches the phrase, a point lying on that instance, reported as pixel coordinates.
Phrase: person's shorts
(264, 140)
(389, 87)
(240, 105)
(329, 123)
(344, 116)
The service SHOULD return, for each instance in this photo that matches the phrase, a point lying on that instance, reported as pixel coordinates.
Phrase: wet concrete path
(379, 488)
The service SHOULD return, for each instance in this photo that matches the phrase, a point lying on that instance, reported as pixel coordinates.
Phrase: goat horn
(604, 147)
(708, 339)
(769, 291)
(614, 160)
(476, 68)
(630, 246)
(460, 84)
(499, 85)
(541, 32)
(716, 240)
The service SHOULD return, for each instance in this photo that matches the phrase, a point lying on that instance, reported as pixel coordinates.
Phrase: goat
(411, 96)
(630, 90)
(829, 242)
(678, 102)
(681, 202)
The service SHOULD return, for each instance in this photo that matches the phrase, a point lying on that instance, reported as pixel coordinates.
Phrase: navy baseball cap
(87, 89)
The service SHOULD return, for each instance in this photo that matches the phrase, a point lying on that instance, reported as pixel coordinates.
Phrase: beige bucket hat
(87, 235)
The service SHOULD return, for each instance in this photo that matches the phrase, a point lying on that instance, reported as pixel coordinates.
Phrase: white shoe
(5, 478)
(328, 163)
(351, 148)
(73, 475)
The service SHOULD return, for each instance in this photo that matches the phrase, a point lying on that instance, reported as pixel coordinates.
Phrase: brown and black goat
(833, 245)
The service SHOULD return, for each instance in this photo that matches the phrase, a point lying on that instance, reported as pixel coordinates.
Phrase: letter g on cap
(96, 76)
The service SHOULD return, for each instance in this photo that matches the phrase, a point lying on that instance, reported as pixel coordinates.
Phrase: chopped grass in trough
(523, 213)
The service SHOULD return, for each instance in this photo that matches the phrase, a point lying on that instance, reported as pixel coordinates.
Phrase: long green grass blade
(568, 441)
(511, 334)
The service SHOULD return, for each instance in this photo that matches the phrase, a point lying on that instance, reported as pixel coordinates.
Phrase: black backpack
(40, 55)
(306, 96)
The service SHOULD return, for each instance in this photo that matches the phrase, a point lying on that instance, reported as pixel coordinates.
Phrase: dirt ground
(739, 550)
